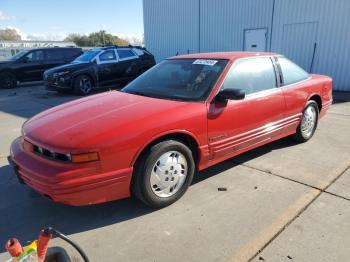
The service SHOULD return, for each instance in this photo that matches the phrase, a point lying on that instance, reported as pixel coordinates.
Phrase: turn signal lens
(26, 145)
(85, 157)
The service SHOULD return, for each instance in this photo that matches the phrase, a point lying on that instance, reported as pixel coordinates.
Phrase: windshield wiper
(138, 93)
(181, 99)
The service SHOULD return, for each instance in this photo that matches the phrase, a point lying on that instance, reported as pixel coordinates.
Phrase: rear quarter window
(291, 72)
(125, 54)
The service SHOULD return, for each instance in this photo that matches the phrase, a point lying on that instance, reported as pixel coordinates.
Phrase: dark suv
(29, 65)
(99, 68)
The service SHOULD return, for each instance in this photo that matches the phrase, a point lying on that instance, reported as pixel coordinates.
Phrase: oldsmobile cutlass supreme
(185, 114)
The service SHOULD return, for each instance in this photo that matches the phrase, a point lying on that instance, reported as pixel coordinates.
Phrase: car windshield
(178, 79)
(87, 56)
(18, 55)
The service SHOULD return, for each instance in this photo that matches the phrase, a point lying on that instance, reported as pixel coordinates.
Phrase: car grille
(50, 154)
(50, 78)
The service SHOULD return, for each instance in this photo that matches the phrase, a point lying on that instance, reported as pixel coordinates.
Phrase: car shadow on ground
(28, 100)
(25, 102)
(24, 212)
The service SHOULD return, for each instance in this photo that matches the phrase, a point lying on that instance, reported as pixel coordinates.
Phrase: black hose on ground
(57, 233)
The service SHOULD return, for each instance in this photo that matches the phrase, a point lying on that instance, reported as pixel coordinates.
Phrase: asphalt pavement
(284, 201)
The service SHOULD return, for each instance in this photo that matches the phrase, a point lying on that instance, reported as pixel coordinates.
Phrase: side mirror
(25, 59)
(231, 94)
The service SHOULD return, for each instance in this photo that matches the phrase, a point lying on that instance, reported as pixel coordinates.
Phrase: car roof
(53, 48)
(107, 48)
(117, 47)
(224, 55)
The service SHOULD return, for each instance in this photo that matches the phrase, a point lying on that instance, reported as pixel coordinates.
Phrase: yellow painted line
(250, 249)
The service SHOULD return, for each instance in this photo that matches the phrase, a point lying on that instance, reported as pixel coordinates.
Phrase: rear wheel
(163, 174)
(83, 85)
(308, 123)
(7, 80)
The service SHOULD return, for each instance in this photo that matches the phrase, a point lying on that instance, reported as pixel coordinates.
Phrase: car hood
(85, 122)
(5, 62)
(70, 66)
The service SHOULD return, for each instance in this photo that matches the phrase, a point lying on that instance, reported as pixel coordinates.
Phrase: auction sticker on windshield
(205, 62)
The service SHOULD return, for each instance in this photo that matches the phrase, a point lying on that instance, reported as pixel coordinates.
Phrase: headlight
(73, 158)
(62, 73)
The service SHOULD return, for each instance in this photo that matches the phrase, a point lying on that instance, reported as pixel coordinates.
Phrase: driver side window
(251, 75)
(108, 55)
(37, 55)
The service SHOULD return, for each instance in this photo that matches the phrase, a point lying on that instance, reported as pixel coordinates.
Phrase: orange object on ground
(14, 247)
(43, 243)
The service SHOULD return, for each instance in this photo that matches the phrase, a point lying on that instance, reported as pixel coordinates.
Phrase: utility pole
(103, 37)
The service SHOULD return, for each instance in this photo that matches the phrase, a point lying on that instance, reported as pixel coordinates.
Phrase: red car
(185, 114)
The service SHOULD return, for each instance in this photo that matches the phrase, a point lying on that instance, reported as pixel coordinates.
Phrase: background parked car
(29, 65)
(100, 67)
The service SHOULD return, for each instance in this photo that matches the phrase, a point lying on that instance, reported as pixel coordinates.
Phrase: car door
(235, 125)
(107, 67)
(54, 57)
(71, 53)
(32, 66)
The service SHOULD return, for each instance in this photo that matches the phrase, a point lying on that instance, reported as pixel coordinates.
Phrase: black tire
(7, 81)
(300, 136)
(83, 85)
(141, 184)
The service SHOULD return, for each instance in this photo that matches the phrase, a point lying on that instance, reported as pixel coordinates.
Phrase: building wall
(314, 33)
(324, 22)
(223, 22)
(172, 27)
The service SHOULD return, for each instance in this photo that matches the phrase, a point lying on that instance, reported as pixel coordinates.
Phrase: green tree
(100, 38)
(79, 40)
(9, 35)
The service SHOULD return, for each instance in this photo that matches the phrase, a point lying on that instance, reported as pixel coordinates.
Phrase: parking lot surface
(284, 201)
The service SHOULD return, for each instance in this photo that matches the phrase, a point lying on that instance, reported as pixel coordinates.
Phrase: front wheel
(308, 123)
(82, 85)
(163, 174)
(7, 80)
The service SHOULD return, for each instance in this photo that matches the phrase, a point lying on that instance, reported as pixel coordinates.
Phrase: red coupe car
(185, 114)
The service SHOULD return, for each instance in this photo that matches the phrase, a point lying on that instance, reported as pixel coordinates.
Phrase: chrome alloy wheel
(168, 174)
(309, 121)
(85, 85)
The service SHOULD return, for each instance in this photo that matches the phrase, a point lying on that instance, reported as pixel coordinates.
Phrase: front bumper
(325, 107)
(71, 184)
(56, 83)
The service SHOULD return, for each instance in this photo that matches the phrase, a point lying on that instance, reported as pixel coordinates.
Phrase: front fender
(158, 136)
(86, 71)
